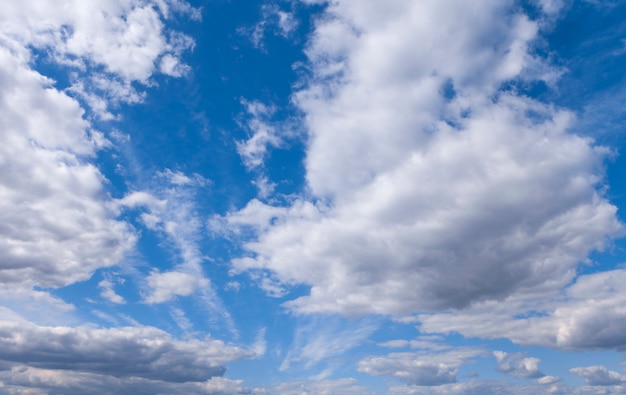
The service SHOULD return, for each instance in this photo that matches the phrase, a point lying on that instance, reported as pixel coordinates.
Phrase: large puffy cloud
(55, 225)
(126, 37)
(433, 188)
(142, 352)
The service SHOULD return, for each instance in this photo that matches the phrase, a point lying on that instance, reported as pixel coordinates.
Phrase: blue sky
(312, 197)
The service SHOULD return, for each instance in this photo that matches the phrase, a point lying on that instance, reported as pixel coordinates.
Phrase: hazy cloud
(420, 368)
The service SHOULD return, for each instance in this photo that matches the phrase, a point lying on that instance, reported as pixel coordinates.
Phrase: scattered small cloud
(599, 375)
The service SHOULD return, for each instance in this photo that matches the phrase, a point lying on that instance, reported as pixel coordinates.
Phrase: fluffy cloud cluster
(58, 224)
(517, 365)
(429, 186)
(420, 368)
(575, 319)
(125, 37)
(70, 358)
(599, 375)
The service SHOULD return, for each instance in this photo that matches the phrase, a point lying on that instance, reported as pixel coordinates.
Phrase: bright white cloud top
(312, 197)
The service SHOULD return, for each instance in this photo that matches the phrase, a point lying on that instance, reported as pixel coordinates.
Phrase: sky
(327, 197)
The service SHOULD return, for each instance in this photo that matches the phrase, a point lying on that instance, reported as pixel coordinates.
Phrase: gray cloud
(143, 352)
(572, 319)
(33, 381)
(599, 375)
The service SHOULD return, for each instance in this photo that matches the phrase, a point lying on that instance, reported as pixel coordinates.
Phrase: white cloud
(420, 368)
(547, 380)
(116, 42)
(165, 286)
(287, 22)
(319, 339)
(169, 208)
(59, 225)
(56, 226)
(429, 200)
(265, 186)
(179, 316)
(599, 375)
(178, 178)
(274, 19)
(108, 292)
(126, 37)
(264, 135)
(517, 365)
(171, 66)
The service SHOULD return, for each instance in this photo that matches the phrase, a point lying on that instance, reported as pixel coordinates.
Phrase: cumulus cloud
(56, 225)
(164, 286)
(125, 37)
(433, 188)
(573, 319)
(599, 375)
(420, 368)
(518, 365)
(109, 44)
(143, 352)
